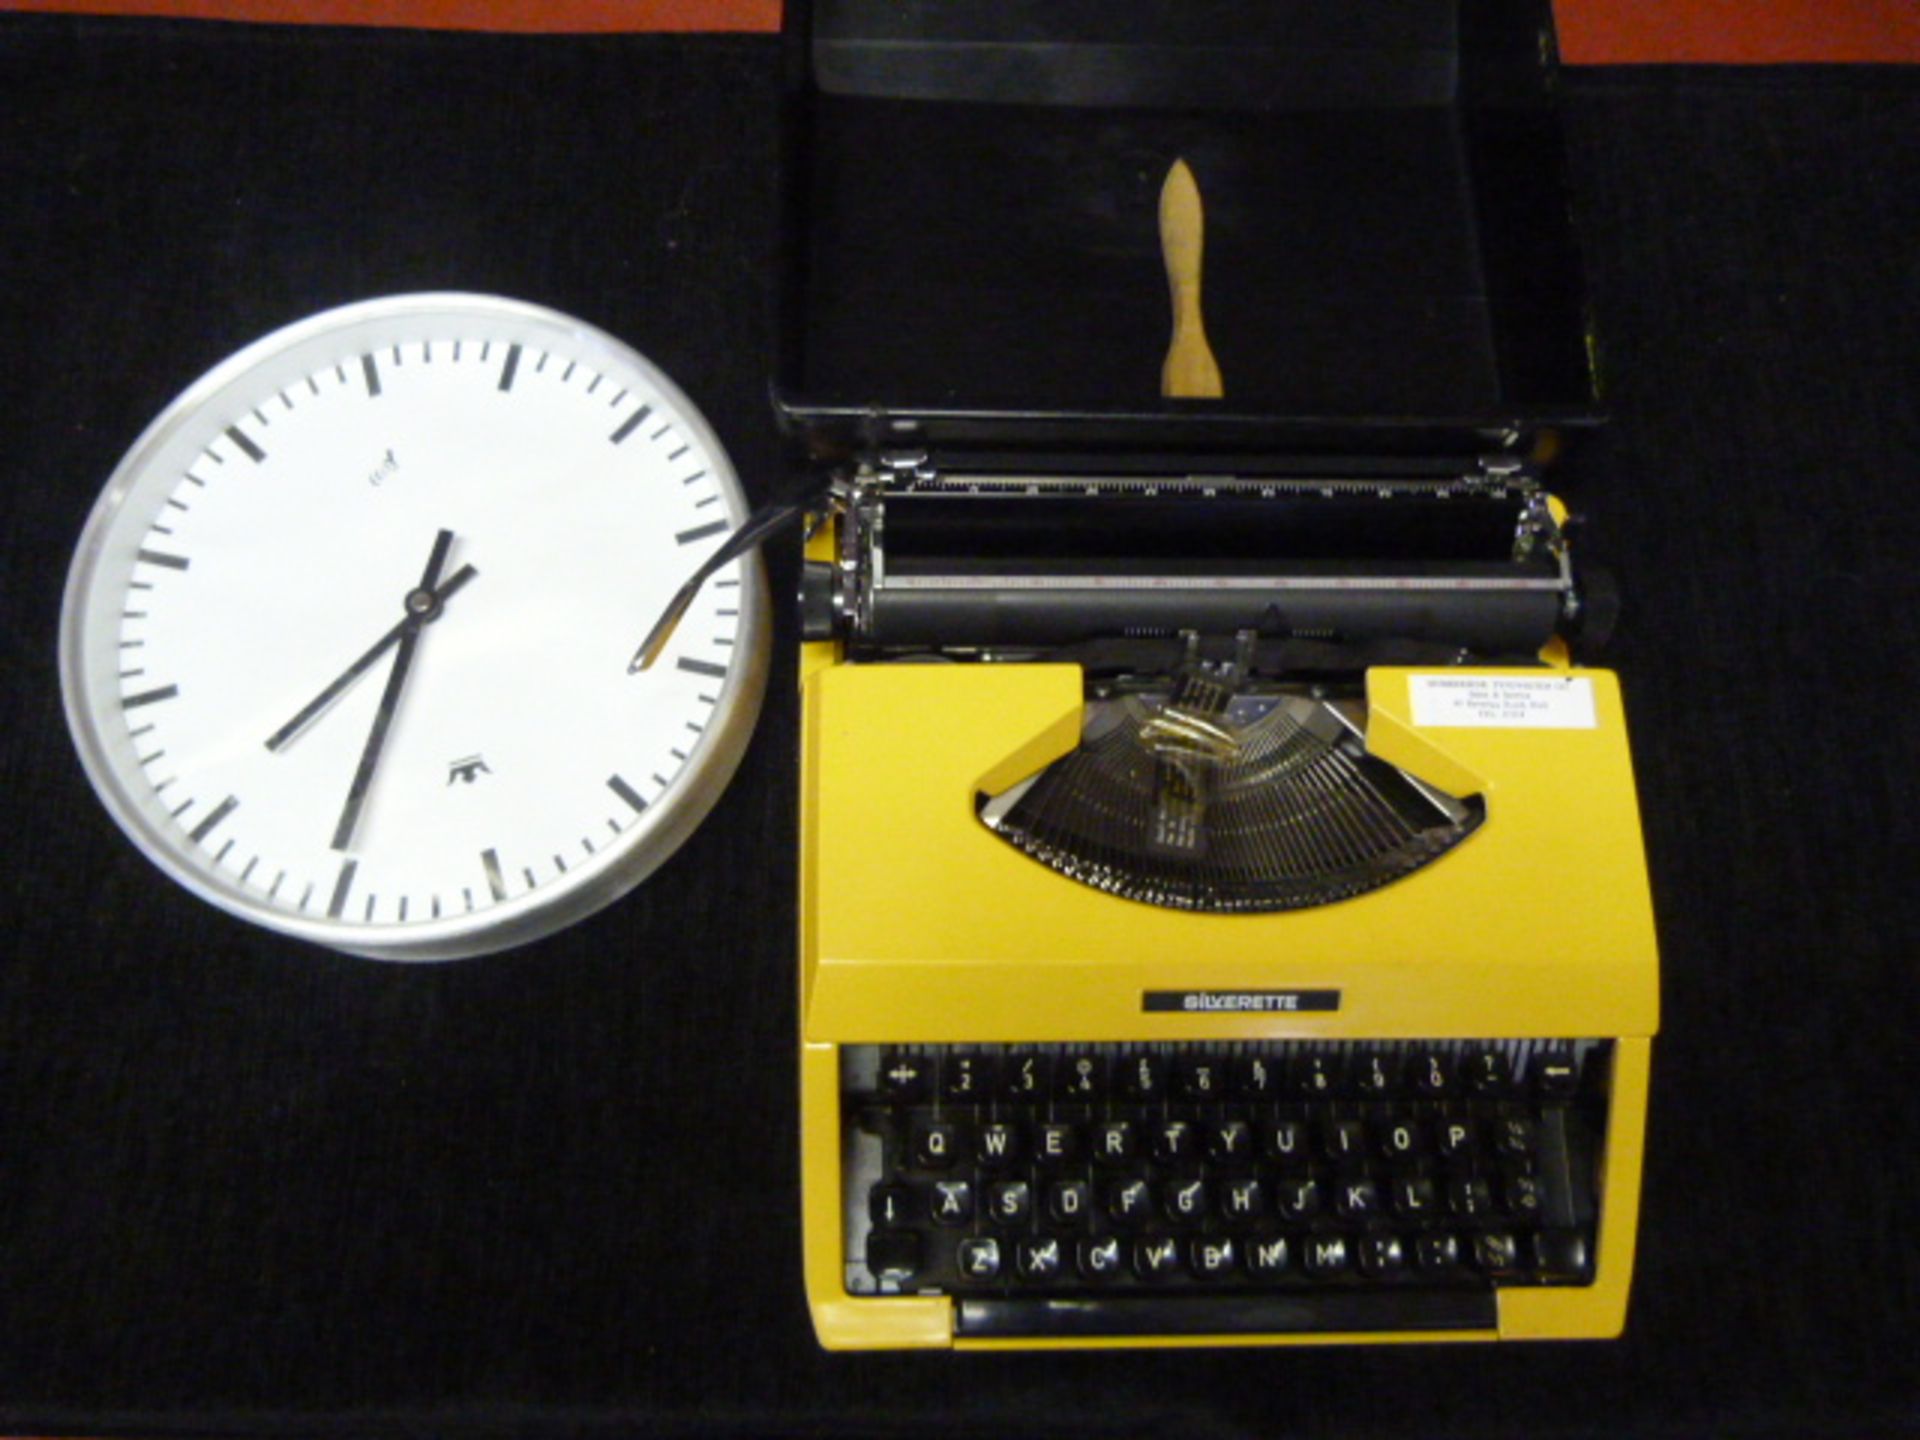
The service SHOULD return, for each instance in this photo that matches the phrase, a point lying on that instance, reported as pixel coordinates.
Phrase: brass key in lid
(1190, 371)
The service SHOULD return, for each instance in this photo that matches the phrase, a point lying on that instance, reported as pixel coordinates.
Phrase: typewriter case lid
(973, 258)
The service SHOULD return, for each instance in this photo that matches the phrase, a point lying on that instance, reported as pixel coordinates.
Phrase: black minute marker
(345, 883)
(148, 697)
(252, 451)
(630, 424)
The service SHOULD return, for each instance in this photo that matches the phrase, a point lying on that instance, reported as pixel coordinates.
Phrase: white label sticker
(1504, 702)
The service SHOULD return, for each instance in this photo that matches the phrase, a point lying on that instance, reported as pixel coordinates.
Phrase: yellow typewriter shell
(918, 925)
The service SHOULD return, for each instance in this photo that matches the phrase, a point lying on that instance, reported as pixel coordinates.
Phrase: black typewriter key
(996, 1145)
(1267, 1256)
(1560, 1255)
(1256, 1077)
(1141, 1077)
(1115, 1143)
(1009, 1202)
(1400, 1139)
(1080, 1076)
(1212, 1257)
(890, 1205)
(1297, 1199)
(1069, 1201)
(978, 1257)
(1516, 1136)
(1497, 1254)
(1243, 1200)
(1039, 1257)
(1285, 1139)
(1455, 1138)
(1470, 1198)
(1172, 1142)
(1316, 1077)
(906, 1078)
(1356, 1199)
(1488, 1072)
(1026, 1076)
(1230, 1142)
(936, 1143)
(1437, 1251)
(1157, 1258)
(1414, 1197)
(1431, 1074)
(893, 1255)
(1130, 1202)
(1344, 1140)
(1324, 1255)
(1525, 1196)
(1101, 1259)
(1184, 1201)
(1382, 1255)
(1056, 1144)
(1200, 1078)
(1556, 1075)
(967, 1078)
(951, 1202)
(1373, 1076)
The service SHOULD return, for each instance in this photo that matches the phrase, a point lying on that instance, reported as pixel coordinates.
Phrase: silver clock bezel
(643, 847)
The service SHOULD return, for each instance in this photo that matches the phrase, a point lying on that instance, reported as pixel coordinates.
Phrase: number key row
(978, 1077)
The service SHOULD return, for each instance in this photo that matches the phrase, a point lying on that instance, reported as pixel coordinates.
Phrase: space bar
(1277, 1314)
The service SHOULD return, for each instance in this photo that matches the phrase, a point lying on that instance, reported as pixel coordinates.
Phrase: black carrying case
(972, 262)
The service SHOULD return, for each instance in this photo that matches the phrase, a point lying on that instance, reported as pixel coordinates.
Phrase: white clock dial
(345, 644)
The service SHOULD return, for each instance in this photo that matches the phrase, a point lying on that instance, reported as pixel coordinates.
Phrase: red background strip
(1751, 32)
(1592, 32)
(576, 16)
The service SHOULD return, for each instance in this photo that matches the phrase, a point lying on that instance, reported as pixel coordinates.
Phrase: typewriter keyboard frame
(1108, 1188)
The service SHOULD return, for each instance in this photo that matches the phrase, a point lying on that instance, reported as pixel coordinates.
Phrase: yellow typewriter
(1223, 917)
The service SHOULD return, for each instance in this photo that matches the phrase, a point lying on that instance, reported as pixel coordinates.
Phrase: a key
(1069, 1201)
(936, 1143)
(1081, 1076)
(1267, 1256)
(1009, 1202)
(1157, 1258)
(1324, 1255)
(1040, 1257)
(951, 1202)
(890, 1205)
(1382, 1255)
(1114, 1143)
(1101, 1259)
(996, 1145)
(906, 1079)
(1211, 1256)
(893, 1255)
(966, 1078)
(978, 1257)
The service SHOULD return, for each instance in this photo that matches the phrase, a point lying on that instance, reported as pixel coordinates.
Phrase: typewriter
(1223, 917)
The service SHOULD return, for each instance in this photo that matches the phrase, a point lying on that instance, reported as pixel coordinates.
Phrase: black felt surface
(248, 1185)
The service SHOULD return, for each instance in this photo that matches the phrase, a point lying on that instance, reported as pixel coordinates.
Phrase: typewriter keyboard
(1267, 1185)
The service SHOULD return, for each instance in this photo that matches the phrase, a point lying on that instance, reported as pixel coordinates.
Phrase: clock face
(345, 646)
